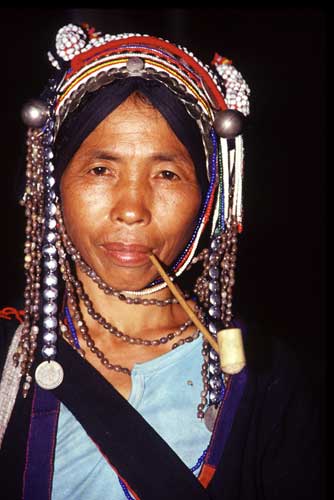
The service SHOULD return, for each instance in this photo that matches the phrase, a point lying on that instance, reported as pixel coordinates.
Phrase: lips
(125, 254)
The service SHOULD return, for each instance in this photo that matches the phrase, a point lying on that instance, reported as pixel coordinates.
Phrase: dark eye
(99, 170)
(168, 175)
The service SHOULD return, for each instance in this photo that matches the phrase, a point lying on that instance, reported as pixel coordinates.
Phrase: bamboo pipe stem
(177, 294)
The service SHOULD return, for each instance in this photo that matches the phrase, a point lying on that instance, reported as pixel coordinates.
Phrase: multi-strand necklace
(74, 320)
(74, 326)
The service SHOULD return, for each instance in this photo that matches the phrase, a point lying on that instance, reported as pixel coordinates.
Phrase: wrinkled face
(130, 189)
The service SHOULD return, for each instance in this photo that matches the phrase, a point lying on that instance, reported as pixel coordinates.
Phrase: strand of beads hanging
(74, 335)
(35, 114)
(75, 284)
(214, 313)
(221, 281)
(115, 331)
(205, 382)
(73, 301)
(71, 336)
(49, 374)
(75, 256)
(33, 201)
(208, 291)
(214, 291)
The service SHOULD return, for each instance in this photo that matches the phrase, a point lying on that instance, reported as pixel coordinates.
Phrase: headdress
(215, 96)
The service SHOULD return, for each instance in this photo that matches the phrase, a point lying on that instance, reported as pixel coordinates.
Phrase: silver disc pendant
(210, 416)
(49, 374)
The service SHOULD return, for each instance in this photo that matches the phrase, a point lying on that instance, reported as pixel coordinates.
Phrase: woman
(109, 388)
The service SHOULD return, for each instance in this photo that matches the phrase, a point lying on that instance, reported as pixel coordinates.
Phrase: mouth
(127, 255)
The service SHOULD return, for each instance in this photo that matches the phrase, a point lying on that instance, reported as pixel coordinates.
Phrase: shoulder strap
(131, 446)
(38, 472)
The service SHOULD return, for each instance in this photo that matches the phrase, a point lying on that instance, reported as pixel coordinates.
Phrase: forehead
(135, 126)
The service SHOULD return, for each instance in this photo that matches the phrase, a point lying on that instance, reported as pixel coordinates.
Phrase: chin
(132, 280)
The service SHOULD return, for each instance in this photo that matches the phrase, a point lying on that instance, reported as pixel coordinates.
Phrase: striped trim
(115, 60)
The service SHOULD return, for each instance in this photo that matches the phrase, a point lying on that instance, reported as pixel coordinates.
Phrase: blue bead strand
(125, 490)
(199, 461)
(72, 328)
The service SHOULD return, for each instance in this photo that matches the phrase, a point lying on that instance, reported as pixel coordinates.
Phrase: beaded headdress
(215, 96)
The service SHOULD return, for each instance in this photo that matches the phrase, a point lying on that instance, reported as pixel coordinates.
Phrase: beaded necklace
(71, 335)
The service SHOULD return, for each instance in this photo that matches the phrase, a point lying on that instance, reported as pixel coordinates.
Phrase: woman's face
(130, 189)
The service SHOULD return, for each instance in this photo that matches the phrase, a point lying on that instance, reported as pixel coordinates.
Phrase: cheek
(80, 209)
(178, 217)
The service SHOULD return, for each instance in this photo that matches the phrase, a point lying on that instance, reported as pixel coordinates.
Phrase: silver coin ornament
(135, 64)
(49, 374)
(228, 123)
(34, 113)
(210, 416)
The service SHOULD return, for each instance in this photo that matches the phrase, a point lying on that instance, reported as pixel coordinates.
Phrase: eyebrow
(102, 154)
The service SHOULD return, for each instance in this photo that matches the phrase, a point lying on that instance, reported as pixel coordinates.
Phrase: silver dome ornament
(135, 65)
(34, 113)
(228, 123)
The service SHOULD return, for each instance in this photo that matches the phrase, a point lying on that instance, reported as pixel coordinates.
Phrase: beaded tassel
(50, 264)
(33, 202)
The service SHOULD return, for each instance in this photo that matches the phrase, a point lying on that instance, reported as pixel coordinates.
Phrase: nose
(131, 207)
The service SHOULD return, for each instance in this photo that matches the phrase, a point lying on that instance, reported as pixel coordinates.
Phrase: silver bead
(214, 312)
(49, 352)
(51, 280)
(213, 398)
(214, 299)
(214, 286)
(48, 153)
(212, 327)
(51, 181)
(50, 337)
(228, 123)
(51, 209)
(215, 383)
(52, 223)
(51, 264)
(51, 237)
(50, 323)
(213, 355)
(213, 369)
(50, 293)
(50, 308)
(214, 272)
(34, 113)
(49, 250)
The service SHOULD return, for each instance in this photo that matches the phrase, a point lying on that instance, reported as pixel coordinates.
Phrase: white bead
(50, 323)
(50, 308)
(50, 337)
(50, 293)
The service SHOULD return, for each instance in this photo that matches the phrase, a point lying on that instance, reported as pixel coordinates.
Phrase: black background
(281, 54)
